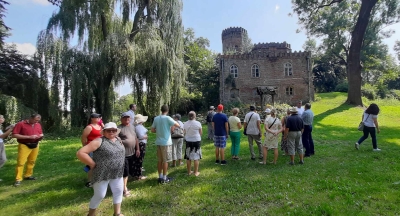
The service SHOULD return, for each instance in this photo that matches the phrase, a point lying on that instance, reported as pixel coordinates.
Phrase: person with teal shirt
(235, 126)
(162, 127)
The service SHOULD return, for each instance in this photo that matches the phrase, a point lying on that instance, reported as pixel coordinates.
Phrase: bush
(369, 92)
(342, 87)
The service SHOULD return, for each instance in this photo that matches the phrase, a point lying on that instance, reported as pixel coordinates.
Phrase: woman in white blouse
(193, 132)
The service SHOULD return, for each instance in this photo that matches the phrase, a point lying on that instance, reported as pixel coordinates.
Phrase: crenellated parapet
(233, 31)
(260, 54)
(272, 45)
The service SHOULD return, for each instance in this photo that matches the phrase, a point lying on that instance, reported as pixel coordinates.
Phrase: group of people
(296, 128)
(111, 153)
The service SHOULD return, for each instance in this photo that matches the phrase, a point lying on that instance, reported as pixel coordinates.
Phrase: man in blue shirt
(162, 127)
(306, 138)
(221, 133)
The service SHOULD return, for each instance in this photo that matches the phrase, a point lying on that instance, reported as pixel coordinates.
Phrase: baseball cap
(95, 115)
(125, 114)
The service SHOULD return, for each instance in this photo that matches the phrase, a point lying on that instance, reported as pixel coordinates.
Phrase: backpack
(177, 133)
(210, 116)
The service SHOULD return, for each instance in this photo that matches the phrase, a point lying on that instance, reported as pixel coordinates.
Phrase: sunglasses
(111, 131)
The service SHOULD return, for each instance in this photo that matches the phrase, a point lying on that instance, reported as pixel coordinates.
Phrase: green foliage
(342, 87)
(145, 45)
(369, 92)
(4, 29)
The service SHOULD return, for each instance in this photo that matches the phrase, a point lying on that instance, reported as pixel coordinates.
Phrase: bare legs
(196, 167)
(265, 155)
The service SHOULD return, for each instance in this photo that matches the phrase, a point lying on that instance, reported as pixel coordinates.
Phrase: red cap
(220, 107)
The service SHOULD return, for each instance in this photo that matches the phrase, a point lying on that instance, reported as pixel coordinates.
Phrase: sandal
(127, 194)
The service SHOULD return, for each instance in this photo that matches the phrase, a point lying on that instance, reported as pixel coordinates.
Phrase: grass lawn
(338, 180)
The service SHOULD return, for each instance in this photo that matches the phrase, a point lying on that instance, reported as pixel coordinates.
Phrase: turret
(232, 39)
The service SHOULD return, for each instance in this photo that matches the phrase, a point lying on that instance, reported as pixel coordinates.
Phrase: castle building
(266, 73)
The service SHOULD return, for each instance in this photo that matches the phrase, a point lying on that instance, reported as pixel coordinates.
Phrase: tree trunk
(353, 61)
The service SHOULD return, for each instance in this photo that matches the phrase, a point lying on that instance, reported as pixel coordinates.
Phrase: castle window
(255, 72)
(289, 91)
(234, 71)
(288, 69)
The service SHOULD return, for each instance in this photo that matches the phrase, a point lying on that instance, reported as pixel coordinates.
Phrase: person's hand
(137, 153)
(33, 137)
(285, 138)
(379, 130)
(92, 166)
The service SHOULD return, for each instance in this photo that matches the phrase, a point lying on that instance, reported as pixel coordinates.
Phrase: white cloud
(277, 8)
(25, 48)
(22, 2)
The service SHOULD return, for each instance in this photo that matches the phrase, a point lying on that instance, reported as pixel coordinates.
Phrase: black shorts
(128, 166)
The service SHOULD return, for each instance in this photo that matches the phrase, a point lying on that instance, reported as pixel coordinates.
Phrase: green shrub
(395, 94)
(342, 87)
(369, 91)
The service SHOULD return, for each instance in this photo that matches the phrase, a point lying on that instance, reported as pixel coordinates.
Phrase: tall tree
(144, 44)
(3, 27)
(347, 28)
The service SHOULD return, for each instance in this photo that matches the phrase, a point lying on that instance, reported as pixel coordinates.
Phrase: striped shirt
(308, 117)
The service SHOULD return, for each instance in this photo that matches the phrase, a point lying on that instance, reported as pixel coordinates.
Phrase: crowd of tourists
(111, 153)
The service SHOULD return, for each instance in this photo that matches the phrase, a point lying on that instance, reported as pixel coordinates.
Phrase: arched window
(234, 71)
(288, 69)
(255, 72)
(289, 91)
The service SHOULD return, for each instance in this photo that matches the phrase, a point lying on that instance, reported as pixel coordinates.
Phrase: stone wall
(272, 74)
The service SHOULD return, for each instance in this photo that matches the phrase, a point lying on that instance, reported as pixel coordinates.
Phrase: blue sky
(264, 20)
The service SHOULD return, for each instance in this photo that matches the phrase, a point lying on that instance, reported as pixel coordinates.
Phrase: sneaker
(166, 181)
(291, 163)
(377, 149)
(253, 158)
(143, 169)
(160, 180)
(88, 184)
(223, 162)
(301, 162)
(357, 146)
(307, 155)
(17, 183)
(216, 161)
(30, 178)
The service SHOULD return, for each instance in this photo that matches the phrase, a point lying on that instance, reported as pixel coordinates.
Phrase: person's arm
(137, 151)
(201, 131)
(227, 129)
(7, 133)
(376, 125)
(212, 123)
(259, 126)
(83, 153)
(239, 125)
(85, 134)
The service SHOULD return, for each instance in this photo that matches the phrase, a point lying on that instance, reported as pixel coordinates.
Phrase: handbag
(245, 128)
(361, 125)
(31, 145)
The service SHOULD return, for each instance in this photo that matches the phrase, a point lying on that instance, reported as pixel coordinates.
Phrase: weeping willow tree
(143, 43)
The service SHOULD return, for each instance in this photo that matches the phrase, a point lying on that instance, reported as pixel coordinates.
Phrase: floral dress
(271, 140)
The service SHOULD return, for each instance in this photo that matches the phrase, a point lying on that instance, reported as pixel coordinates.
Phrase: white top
(252, 128)
(1, 140)
(192, 131)
(368, 119)
(141, 131)
(300, 110)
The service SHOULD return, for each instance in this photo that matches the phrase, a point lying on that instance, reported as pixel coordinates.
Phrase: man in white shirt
(299, 107)
(131, 113)
(252, 121)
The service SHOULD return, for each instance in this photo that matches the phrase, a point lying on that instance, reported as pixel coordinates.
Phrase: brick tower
(232, 39)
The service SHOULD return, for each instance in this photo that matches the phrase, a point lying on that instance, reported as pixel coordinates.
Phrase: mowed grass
(338, 180)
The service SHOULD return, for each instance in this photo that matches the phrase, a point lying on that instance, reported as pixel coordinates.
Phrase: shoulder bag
(361, 125)
(245, 128)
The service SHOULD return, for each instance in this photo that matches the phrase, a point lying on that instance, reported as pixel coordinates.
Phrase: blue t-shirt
(219, 120)
(163, 124)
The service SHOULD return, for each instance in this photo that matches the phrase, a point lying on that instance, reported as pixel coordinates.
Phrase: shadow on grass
(340, 108)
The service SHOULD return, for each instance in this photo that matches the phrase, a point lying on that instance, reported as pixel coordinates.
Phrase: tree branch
(135, 25)
(332, 2)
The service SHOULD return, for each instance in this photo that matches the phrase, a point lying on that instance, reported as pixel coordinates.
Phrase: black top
(294, 123)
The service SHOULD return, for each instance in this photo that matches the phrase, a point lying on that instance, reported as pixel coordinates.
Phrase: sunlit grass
(338, 180)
